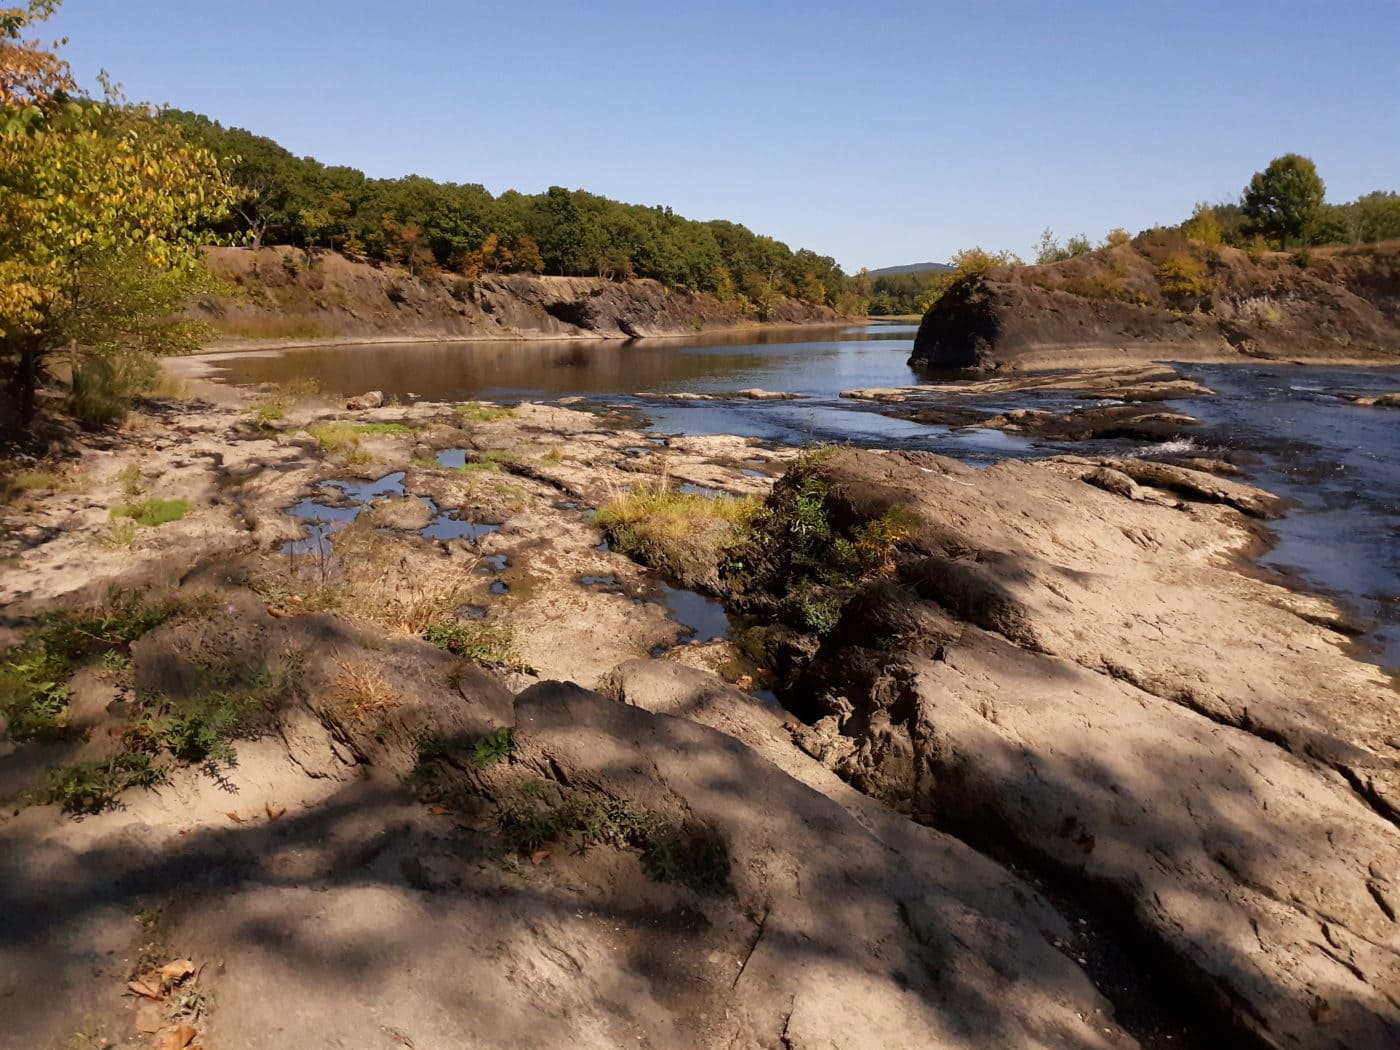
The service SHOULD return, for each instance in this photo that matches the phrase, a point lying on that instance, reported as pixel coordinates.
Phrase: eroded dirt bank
(423, 763)
(282, 296)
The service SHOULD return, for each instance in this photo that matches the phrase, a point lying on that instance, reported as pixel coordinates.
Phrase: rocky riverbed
(384, 736)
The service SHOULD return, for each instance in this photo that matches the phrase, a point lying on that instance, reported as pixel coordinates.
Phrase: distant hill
(929, 267)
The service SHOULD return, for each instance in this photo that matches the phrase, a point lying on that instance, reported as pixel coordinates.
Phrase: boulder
(372, 399)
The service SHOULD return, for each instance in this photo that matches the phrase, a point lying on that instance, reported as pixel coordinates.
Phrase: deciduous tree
(1282, 199)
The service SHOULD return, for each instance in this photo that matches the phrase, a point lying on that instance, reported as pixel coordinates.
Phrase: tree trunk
(21, 391)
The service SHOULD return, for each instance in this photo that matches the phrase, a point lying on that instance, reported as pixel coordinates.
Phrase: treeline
(426, 225)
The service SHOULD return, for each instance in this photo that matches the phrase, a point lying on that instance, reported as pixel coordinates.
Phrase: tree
(1282, 199)
(86, 188)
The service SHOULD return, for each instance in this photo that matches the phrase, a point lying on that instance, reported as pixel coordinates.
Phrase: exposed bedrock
(1085, 679)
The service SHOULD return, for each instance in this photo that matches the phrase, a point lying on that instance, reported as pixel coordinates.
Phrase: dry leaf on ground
(144, 990)
(177, 970)
(274, 811)
(176, 1037)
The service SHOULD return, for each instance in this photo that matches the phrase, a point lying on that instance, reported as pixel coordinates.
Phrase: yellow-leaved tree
(101, 209)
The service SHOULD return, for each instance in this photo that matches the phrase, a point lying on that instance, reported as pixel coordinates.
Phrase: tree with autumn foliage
(100, 204)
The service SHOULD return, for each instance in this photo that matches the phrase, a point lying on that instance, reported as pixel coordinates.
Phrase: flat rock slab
(1080, 666)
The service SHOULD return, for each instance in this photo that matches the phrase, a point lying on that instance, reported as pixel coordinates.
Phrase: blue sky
(880, 133)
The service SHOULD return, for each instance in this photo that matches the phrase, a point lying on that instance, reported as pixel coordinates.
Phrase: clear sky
(880, 133)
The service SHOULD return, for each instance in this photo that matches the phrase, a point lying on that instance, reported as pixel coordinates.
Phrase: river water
(1288, 428)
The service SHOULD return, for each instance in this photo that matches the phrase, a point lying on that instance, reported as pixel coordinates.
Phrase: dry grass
(360, 691)
(31, 482)
(368, 577)
(680, 533)
(270, 327)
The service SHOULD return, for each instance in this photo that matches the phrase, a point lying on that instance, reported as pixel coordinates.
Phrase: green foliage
(425, 226)
(1203, 228)
(1049, 250)
(482, 643)
(334, 437)
(482, 412)
(100, 208)
(201, 729)
(383, 428)
(694, 856)
(684, 534)
(90, 787)
(153, 512)
(1284, 198)
(972, 261)
(800, 563)
(1183, 279)
(33, 677)
(492, 748)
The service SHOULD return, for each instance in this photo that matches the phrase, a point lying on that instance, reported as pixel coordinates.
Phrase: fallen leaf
(234, 817)
(143, 989)
(149, 1019)
(538, 856)
(439, 811)
(274, 811)
(177, 970)
(176, 1037)
(277, 611)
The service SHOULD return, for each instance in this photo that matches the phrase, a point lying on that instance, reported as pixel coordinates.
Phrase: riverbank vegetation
(100, 208)
(428, 226)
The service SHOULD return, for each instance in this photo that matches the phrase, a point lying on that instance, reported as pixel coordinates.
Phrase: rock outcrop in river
(1131, 303)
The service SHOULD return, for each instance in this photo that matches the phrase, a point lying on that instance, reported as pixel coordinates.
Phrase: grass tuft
(153, 512)
(680, 533)
(481, 643)
(482, 412)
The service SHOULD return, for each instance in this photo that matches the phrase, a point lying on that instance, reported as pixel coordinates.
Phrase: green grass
(153, 512)
(694, 856)
(34, 692)
(481, 643)
(90, 787)
(481, 412)
(489, 461)
(26, 481)
(334, 437)
(268, 412)
(680, 533)
(383, 428)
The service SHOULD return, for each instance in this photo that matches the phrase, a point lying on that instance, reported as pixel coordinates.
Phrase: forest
(422, 224)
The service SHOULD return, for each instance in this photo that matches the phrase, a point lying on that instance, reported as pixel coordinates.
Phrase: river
(1286, 427)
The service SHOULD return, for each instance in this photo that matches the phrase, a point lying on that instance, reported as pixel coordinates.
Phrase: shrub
(103, 385)
(90, 787)
(1117, 237)
(800, 564)
(971, 261)
(1183, 279)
